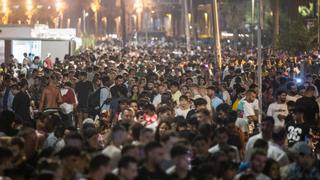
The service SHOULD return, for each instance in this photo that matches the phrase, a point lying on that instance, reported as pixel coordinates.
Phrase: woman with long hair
(134, 94)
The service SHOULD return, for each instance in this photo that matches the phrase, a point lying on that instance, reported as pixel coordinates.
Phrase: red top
(49, 63)
(69, 97)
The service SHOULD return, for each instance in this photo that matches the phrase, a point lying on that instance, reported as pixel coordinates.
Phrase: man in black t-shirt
(298, 130)
(151, 170)
(310, 107)
(21, 103)
(119, 89)
(181, 158)
(83, 89)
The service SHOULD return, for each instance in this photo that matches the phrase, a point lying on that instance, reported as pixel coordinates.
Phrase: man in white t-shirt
(157, 99)
(266, 132)
(246, 111)
(279, 109)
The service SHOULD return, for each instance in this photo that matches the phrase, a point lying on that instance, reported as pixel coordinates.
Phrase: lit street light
(5, 12)
(84, 16)
(29, 10)
(60, 6)
(105, 21)
(95, 7)
(138, 6)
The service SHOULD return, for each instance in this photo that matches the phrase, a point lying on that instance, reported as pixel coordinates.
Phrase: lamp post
(29, 10)
(138, 5)
(318, 5)
(60, 8)
(105, 21)
(84, 16)
(123, 22)
(95, 7)
(259, 61)
(187, 26)
(5, 12)
(217, 35)
(252, 22)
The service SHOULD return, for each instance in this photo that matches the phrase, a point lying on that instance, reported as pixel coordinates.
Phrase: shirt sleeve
(269, 112)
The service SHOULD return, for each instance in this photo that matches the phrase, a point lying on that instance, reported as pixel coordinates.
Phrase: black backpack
(94, 102)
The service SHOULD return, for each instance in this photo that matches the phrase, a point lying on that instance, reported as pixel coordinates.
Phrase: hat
(301, 148)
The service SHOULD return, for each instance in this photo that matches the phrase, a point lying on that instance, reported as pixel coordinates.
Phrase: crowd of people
(158, 113)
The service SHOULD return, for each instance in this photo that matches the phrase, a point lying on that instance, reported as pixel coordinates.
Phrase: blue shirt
(215, 102)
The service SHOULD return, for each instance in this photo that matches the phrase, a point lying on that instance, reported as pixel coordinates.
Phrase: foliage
(88, 41)
(294, 36)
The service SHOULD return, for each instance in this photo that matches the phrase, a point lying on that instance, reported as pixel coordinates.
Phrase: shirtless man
(51, 97)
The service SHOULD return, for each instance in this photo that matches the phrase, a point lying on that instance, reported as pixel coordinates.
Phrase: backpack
(94, 101)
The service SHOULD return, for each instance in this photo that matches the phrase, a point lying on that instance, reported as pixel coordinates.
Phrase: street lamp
(84, 16)
(95, 7)
(60, 6)
(138, 6)
(79, 24)
(105, 21)
(29, 10)
(252, 22)
(68, 23)
(169, 15)
(5, 11)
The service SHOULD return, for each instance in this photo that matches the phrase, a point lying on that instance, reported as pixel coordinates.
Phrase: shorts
(51, 111)
(68, 120)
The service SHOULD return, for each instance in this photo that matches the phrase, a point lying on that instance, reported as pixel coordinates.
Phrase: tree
(276, 22)
(234, 16)
(294, 36)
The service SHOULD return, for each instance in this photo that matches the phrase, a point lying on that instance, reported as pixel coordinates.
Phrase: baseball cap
(301, 148)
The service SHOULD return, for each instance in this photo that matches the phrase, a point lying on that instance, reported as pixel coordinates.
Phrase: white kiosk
(39, 40)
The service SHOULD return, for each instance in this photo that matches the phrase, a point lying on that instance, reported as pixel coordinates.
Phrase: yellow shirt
(235, 105)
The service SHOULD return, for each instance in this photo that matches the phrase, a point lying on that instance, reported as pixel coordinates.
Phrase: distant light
(16, 7)
(226, 34)
(39, 6)
(152, 12)
(60, 6)
(86, 14)
(29, 5)
(4, 6)
(49, 7)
